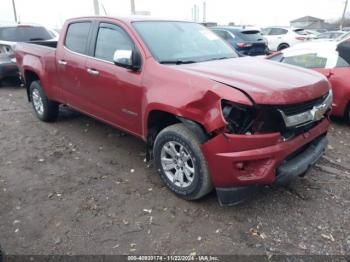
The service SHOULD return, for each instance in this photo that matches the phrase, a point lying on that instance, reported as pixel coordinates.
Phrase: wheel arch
(282, 44)
(30, 76)
(157, 120)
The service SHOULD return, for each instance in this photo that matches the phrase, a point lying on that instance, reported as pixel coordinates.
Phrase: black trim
(302, 162)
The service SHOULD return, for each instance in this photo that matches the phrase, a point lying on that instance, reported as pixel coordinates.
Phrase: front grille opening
(302, 107)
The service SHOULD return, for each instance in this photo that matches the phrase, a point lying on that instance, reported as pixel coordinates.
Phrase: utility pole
(343, 17)
(96, 7)
(204, 12)
(14, 10)
(133, 9)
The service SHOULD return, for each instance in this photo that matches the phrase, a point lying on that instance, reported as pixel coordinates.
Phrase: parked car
(209, 118)
(329, 58)
(10, 35)
(331, 35)
(246, 41)
(280, 38)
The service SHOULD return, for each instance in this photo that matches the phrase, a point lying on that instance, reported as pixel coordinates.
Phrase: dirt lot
(78, 186)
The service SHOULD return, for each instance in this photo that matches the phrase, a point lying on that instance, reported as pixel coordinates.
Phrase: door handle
(93, 72)
(62, 62)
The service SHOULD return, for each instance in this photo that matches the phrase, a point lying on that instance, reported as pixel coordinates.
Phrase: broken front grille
(301, 107)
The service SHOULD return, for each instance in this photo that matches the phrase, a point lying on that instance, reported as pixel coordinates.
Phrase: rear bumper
(239, 161)
(8, 70)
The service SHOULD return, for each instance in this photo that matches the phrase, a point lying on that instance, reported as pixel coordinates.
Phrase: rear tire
(45, 109)
(347, 113)
(282, 46)
(181, 163)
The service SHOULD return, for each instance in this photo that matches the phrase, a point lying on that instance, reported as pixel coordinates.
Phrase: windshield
(182, 42)
(24, 34)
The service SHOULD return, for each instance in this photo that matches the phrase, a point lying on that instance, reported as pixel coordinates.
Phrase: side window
(77, 37)
(266, 31)
(278, 31)
(109, 39)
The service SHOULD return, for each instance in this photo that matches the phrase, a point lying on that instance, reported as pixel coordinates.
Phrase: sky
(52, 13)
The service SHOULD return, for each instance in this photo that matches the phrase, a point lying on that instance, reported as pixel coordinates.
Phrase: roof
(315, 46)
(236, 28)
(19, 25)
(307, 19)
(128, 19)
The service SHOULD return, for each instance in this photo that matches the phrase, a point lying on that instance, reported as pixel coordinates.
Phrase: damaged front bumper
(239, 164)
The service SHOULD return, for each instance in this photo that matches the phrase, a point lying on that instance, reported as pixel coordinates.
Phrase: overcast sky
(52, 13)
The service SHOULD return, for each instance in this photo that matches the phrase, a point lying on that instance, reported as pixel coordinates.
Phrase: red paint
(262, 154)
(125, 98)
(339, 78)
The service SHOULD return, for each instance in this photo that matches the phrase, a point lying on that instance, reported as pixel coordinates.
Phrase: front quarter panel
(196, 98)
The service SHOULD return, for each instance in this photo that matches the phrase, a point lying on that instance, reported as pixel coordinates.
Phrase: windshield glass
(24, 34)
(181, 42)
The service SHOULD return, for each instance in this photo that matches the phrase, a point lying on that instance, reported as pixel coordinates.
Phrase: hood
(266, 82)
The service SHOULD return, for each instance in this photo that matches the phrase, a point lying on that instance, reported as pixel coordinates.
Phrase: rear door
(71, 63)
(114, 93)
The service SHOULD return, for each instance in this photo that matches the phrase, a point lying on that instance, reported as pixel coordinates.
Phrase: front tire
(45, 109)
(181, 163)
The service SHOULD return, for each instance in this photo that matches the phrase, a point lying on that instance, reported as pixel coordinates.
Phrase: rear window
(24, 34)
(300, 31)
(250, 35)
(77, 37)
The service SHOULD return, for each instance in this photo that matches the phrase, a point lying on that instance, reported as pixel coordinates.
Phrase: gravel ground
(78, 186)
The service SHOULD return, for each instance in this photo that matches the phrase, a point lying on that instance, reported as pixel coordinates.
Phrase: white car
(280, 38)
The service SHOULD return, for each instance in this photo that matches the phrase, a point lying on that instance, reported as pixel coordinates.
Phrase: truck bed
(52, 44)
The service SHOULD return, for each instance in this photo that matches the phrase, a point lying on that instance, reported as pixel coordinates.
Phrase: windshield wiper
(177, 62)
(36, 39)
(219, 58)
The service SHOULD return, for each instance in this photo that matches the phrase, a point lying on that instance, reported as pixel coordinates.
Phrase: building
(311, 23)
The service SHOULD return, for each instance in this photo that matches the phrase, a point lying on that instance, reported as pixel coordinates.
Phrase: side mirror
(129, 59)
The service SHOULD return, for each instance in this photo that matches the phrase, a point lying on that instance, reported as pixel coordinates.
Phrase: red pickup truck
(210, 119)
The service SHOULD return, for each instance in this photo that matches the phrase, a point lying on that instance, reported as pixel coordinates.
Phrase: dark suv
(246, 41)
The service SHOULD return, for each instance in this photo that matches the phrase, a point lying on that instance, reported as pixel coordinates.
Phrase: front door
(114, 93)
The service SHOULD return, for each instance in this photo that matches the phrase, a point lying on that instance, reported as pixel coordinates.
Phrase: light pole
(14, 10)
(96, 7)
(133, 9)
(343, 17)
(204, 12)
